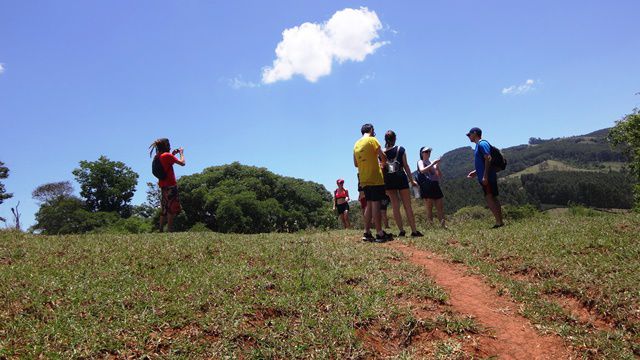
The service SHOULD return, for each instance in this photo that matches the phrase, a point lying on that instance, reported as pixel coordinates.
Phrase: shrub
(514, 212)
(472, 213)
(199, 227)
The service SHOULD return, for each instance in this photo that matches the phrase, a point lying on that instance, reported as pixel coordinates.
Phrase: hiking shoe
(416, 234)
(368, 237)
(383, 238)
(402, 233)
(497, 226)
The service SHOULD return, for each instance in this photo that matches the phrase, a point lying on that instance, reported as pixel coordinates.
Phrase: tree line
(230, 198)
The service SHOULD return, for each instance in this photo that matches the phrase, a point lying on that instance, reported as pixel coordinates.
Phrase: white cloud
(1, 68)
(519, 89)
(310, 49)
(238, 83)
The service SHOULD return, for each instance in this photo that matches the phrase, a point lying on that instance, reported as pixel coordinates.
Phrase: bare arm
(355, 162)
(382, 157)
(181, 161)
(487, 166)
(407, 169)
(425, 169)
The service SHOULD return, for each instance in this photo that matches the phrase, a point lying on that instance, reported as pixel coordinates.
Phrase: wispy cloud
(520, 89)
(1, 68)
(239, 83)
(367, 77)
(310, 49)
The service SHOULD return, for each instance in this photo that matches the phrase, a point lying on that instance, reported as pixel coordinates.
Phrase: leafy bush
(199, 227)
(245, 199)
(514, 212)
(580, 210)
(472, 213)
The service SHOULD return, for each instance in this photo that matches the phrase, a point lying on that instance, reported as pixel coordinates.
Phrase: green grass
(205, 295)
(593, 258)
(312, 295)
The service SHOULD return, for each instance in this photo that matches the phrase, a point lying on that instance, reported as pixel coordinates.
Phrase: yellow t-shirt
(366, 153)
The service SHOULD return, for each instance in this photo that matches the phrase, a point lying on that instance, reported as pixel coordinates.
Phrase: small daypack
(157, 169)
(394, 165)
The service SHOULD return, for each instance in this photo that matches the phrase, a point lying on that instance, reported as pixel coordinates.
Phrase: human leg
(395, 205)
(405, 195)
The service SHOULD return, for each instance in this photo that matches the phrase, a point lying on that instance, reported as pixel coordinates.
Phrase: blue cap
(475, 130)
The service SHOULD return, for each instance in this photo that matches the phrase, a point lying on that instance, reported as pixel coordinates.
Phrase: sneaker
(497, 226)
(416, 234)
(368, 237)
(384, 237)
(402, 233)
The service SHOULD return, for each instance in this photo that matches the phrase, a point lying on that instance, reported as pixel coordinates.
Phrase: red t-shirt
(167, 160)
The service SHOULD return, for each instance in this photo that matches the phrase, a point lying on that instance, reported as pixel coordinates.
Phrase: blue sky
(82, 79)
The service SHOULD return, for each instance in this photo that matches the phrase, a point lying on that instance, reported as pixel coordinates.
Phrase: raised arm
(180, 161)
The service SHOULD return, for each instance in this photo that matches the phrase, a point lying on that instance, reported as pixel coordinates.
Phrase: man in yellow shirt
(369, 158)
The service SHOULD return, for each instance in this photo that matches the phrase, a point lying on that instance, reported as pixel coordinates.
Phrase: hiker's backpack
(498, 161)
(394, 165)
(157, 169)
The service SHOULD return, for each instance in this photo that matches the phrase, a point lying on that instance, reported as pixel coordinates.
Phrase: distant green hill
(568, 167)
(589, 152)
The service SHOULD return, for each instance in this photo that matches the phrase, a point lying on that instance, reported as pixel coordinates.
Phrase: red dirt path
(511, 336)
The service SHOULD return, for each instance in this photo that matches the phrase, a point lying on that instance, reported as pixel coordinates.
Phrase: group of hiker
(384, 177)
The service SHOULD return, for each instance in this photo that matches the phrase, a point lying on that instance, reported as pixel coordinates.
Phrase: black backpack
(157, 169)
(498, 161)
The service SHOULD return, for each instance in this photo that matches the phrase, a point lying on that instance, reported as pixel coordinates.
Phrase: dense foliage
(106, 185)
(67, 215)
(52, 191)
(560, 188)
(626, 133)
(4, 173)
(246, 199)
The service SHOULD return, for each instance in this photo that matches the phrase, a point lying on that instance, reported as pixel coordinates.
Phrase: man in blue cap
(487, 176)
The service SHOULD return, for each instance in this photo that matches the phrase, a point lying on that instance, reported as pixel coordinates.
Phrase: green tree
(106, 185)
(48, 192)
(4, 173)
(67, 215)
(626, 134)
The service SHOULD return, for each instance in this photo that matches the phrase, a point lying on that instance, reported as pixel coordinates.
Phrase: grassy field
(558, 266)
(312, 295)
(210, 295)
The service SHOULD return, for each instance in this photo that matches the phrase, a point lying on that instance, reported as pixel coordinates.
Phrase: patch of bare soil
(581, 313)
(507, 335)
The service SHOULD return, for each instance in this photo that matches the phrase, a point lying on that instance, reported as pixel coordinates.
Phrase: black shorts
(341, 208)
(492, 188)
(385, 202)
(396, 181)
(431, 190)
(374, 192)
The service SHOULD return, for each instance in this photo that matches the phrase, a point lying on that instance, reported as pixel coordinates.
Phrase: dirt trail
(510, 336)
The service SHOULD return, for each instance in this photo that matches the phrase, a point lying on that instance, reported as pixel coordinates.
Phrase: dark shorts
(396, 181)
(341, 208)
(431, 190)
(491, 189)
(374, 193)
(384, 203)
(170, 202)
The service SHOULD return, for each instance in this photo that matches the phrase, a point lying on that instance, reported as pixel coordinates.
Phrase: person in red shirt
(170, 202)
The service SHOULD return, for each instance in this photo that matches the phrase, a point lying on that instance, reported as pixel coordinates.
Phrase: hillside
(579, 169)
(588, 151)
